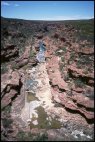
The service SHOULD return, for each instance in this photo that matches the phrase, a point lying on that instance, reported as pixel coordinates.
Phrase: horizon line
(48, 19)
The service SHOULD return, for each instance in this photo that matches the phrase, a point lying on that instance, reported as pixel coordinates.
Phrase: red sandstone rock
(15, 78)
(55, 77)
(57, 83)
(7, 98)
(91, 82)
(79, 73)
(86, 51)
(79, 90)
(24, 59)
(10, 87)
(72, 106)
(85, 101)
(9, 52)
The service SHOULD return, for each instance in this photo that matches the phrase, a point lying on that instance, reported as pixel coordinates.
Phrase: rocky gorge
(50, 99)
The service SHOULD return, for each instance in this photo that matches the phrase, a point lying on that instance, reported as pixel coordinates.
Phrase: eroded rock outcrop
(82, 104)
(10, 51)
(78, 73)
(86, 51)
(54, 74)
(24, 59)
(75, 101)
(10, 87)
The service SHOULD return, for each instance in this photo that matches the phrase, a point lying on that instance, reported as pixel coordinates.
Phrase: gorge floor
(40, 111)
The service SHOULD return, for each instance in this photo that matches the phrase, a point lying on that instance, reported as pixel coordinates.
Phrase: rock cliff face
(56, 95)
(75, 99)
(10, 87)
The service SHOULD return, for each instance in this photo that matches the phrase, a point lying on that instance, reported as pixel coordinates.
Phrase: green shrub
(21, 49)
(64, 49)
(23, 136)
(79, 83)
(3, 138)
(58, 53)
(7, 109)
(90, 69)
(4, 68)
(42, 137)
(62, 58)
(7, 122)
(66, 78)
(61, 66)
(14, 66)
(79, 64)
(32, 53)
(72, 56)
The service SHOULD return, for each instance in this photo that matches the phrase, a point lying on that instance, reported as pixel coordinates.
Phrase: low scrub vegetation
(22, 136)
(79, 83)
(4, 68)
